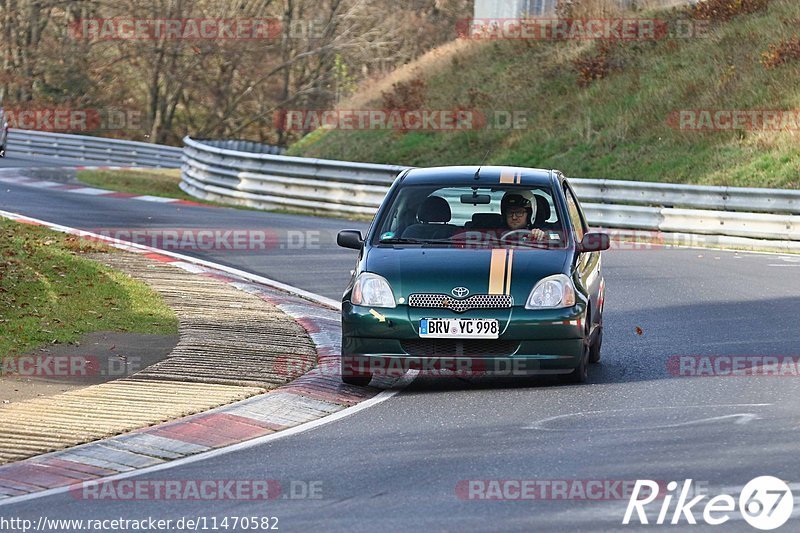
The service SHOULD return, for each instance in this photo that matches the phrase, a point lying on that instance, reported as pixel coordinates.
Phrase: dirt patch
(97, 358)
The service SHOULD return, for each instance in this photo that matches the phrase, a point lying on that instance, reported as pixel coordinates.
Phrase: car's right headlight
(372, 290)
(553, 292)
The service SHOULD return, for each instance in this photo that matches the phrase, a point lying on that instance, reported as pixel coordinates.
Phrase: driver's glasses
(516, 213)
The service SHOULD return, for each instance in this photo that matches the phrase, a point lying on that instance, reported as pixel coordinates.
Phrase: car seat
(433, 216)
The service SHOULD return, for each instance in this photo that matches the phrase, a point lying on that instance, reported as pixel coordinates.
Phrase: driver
(518, 216)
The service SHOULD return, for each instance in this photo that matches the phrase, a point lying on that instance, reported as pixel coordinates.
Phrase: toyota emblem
(460, 292)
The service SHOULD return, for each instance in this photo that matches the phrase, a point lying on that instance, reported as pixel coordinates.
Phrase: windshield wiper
(402, 240)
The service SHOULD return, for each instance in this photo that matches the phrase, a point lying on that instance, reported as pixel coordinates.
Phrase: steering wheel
(524, 235)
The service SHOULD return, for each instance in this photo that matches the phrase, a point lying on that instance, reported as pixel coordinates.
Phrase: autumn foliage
(784, 52)
(596, 66)
(721, 10)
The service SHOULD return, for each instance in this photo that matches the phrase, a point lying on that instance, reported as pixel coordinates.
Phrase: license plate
(459, 328)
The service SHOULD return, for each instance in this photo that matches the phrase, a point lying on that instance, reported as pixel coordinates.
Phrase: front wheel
(359, 381)
(594, 351)
(354, 373)
(581, 373)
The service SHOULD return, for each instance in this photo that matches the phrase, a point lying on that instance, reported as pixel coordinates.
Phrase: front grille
(461, 305)
(459, 348)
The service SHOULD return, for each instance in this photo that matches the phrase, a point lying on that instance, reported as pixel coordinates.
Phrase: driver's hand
(538, 234)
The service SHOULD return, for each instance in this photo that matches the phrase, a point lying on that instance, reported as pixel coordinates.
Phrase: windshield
(472, 217)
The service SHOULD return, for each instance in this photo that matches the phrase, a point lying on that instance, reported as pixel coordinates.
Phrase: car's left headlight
(553, 292)
(372, 290)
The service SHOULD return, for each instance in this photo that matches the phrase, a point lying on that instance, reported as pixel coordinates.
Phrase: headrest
(487, 220)
(542, 209)
(434, 209)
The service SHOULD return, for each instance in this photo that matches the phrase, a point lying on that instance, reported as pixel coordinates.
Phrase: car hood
(481, 271)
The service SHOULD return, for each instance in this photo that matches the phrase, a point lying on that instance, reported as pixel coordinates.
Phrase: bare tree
(313, 55)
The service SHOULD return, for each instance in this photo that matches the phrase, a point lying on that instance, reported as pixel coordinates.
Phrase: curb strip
(311, 397)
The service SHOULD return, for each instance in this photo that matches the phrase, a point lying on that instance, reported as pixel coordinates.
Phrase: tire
(358, 381)
(594, 350)
(354, 372)
(580, 374)
(3, 151)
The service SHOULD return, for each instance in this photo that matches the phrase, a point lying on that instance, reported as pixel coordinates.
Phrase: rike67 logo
(765, 503)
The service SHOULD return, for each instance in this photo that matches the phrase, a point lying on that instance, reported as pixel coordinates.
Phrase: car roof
(488, 175)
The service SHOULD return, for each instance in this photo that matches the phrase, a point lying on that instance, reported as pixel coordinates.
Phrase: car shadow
(650, 344)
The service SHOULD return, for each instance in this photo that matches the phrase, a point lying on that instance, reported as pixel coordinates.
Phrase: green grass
(161, 182)
(49, 293)
(616, 127)
(164, 183)
(151, 182)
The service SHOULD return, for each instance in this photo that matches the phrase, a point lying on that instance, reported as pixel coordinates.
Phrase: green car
(474, 270)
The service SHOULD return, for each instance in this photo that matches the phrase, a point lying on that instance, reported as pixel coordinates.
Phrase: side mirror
(595, 242)
(350, 238)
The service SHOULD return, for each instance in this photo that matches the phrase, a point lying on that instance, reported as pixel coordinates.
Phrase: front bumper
(386, 341)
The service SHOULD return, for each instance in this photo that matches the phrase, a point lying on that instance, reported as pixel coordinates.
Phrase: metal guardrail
(750, 199)
(341, 188)
(238, 145)
(695, 221)
(92, 149)
(316, 186)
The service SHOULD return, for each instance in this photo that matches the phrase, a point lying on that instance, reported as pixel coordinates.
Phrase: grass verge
(50, 294)
(152, 182)
(621, 126)
(165, 183)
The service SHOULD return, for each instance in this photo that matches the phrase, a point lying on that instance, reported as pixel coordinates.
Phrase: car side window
(574, 214)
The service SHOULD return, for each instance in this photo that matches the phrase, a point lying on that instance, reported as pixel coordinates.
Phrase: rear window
(471, 215)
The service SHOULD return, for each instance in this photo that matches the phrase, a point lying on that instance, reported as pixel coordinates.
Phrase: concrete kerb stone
(312, 396)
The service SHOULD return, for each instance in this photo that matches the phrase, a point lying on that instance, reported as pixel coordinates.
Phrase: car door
(588, 264)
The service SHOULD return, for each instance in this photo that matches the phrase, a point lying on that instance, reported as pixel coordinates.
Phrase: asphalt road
(402, 464)
(300, 251)
(12, 160)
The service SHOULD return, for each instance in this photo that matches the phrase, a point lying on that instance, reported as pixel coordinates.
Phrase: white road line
(157, 199)
(42, 184)
(743, 417)
(91, 191)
